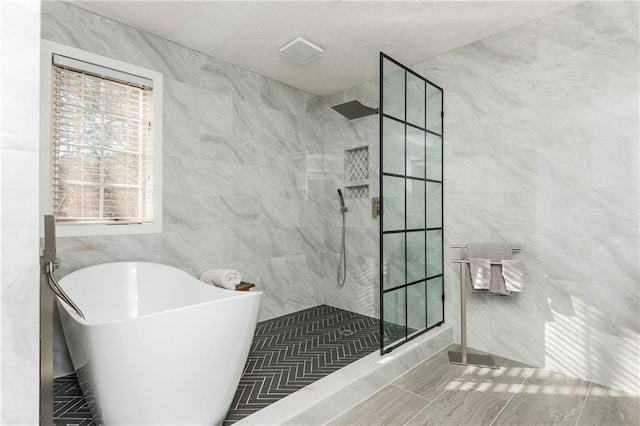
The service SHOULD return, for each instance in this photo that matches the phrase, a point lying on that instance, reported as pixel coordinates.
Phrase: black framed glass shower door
(411, 237)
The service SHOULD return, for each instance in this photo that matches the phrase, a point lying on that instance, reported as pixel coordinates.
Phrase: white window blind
(102, 156)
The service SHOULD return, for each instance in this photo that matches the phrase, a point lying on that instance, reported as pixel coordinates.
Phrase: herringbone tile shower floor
(287, 354)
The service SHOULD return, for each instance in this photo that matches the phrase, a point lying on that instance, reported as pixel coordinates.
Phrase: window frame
(48, 49)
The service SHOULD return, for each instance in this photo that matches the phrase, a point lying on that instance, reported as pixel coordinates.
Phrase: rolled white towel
(225, 278)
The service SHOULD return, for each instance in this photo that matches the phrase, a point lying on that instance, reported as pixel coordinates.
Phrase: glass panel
(434, 205)
(434, 109)
(393, 146)
(393, 203)
(416, 301)
(393, 262)
(394, 316)
(415, 204)
(393, 90)
(415, 152)
(434, 253)
(415, 100)
(434, 157)
(415, 256)
(434, 301)
(409, 204)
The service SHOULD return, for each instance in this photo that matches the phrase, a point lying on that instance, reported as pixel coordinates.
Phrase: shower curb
(327, 398)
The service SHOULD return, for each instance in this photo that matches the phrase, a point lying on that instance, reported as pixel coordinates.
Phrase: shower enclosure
(411, 238)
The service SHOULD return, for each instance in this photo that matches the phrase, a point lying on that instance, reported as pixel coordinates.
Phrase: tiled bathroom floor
(287, 354)
(438, 393)
(293, 351)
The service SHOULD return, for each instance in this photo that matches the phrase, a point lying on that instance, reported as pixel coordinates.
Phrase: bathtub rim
(71, 312)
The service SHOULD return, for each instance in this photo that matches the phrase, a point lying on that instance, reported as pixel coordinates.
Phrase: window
(103, 143)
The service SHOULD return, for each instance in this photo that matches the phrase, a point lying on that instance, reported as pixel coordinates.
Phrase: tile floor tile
(460, 408)
(605, 406)
(390, 406)
(431, 377)
(502, 383)
(546, 398)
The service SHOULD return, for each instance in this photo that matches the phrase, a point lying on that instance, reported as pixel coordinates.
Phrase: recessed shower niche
(356, 172)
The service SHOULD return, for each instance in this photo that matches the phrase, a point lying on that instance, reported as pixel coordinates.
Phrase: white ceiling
(352, 33)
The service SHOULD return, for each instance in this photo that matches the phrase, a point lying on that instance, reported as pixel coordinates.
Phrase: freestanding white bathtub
(158, 346)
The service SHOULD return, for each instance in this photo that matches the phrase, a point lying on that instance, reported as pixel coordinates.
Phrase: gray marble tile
(614, 259)
(73, 26)
(501, 383)
(562, 167)
(614, 64)
(583, 212)
(463, 407)
(232, 80)
(181, 214)
(490, 134)
(583, 25)
(180, 127)
(605, 406)
(215, 113)
(390, 406)
(614, 162)
(605, 115)
(543, 81)
(546, 398)
(431, 377)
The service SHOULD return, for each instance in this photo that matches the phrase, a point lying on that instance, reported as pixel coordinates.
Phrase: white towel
(480, 273)
(494, 252)
(225, 278)
(513, 274)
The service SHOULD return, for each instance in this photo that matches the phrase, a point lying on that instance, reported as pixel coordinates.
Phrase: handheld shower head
(343, 208)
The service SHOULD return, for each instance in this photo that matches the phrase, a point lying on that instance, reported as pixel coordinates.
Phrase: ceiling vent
(300, 50)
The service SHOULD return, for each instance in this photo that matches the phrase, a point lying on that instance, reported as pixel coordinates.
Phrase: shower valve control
(375, 206)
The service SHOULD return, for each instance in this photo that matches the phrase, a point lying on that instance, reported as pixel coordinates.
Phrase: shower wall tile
(489, 135)
(615, 259)
(562, 167)
(605, 115)
(584, 25)
(614, 162)
(216, 113)
(541, 152)
(544, 81)
(226, 78)
(360, 291)
(614, 64)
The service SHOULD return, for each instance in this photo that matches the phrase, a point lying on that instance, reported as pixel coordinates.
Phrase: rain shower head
(354, 109)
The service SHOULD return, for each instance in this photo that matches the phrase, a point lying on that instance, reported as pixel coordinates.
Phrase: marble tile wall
(243, 165)
(360, 292)
(541, 151)
(19, 262)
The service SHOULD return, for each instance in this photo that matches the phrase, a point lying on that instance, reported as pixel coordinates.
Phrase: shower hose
(342, 265)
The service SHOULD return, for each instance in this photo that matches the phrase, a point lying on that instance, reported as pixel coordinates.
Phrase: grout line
(354, 405)
(426, 406)
(434, 399)
(584, 403)
(514, 394)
